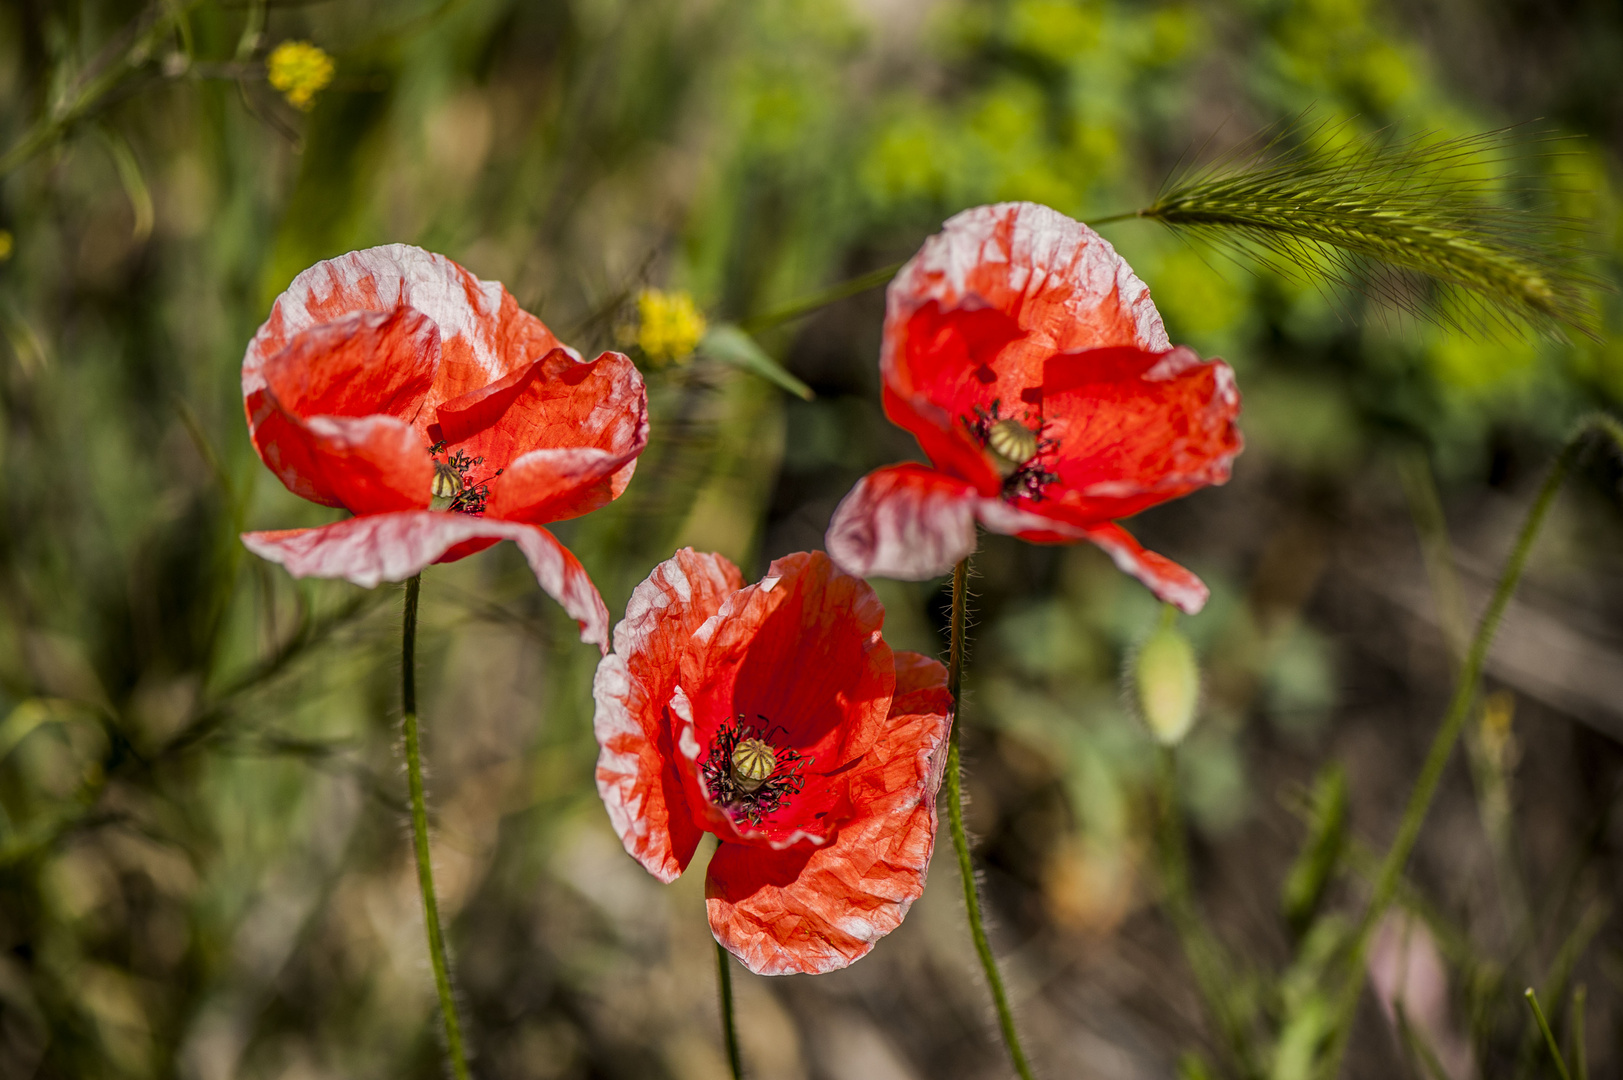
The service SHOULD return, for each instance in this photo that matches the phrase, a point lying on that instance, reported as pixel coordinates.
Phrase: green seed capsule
(447, 481)
(1166, 683)
(753, 763)
(1013, 442)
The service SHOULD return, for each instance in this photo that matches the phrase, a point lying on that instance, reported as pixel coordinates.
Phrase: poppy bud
(753, 763)
(1166, 684)
(1013, 442)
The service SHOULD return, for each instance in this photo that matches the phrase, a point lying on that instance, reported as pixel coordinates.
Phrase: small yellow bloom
(6, 244)
(299, 70)
(669, 325)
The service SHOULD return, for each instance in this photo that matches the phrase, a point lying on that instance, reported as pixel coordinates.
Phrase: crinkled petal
(366, 464)
(971, 319)
(783, 912)
(564, 434)
(484, 334)
(636, 771)
(1165, 578)
(799, 657)
(370, 366)
(1132, 429)
(392, 547)
(904, 521)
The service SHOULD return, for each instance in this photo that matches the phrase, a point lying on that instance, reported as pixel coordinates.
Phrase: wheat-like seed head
(1385, 217)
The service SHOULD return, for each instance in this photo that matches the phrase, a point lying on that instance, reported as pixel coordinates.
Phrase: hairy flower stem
(1390, 874)
(955, 820)
(419, 835)
(729, 1026)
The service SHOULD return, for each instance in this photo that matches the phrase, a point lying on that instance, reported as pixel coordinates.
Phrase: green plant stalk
(955, 822)
(1549, 1036)
(419, 835)
(1580, 1052)
(817, 301)
(1204, 954)
(1448, 733)
(729, 1025)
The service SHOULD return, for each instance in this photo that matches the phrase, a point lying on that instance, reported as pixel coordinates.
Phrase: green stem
(795, 310)
(1448, 733)
(955, 819)
(419, 836)
(1549, 1036)
(729, 1026)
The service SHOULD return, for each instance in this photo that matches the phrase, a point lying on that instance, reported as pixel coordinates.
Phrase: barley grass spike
(1430, 225)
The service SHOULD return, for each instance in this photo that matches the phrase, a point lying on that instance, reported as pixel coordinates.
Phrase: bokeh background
(204, 867)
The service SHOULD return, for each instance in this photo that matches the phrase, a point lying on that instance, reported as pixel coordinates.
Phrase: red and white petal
(484, 334)
(1165, 578)
(636, 774)
(366, 464)
(1061, 284)
(371, 364)
(783, 912)
(559, 402)
(799, 654)
(904, 521)
(1132, 429)
(392, 547)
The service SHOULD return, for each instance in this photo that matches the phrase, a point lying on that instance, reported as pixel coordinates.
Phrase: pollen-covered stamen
(1014, 448)
(453, 488)
(747, 776)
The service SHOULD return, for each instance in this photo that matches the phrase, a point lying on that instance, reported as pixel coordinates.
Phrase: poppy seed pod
(1166, 684)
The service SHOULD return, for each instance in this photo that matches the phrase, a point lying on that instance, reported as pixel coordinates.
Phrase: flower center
(746, 775)
(1014, 448)
(453, 487)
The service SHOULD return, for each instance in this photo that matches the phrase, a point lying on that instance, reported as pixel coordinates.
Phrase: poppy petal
(972, 317)
(1132, 428)
(484, 334)
(799, 659)
(371, 364)
(366, 464)
(783, 912)
(904, 521)
(635, 767)
(393, 547)
(558, 402)
(1165, 578)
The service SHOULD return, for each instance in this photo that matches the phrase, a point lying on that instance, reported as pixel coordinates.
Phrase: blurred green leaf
(1315, 867)
(731, 345)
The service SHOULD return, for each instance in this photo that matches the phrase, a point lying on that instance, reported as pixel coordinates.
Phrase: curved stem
(419, 835)
(729, 1026)
(960, 842)
(1448, 733)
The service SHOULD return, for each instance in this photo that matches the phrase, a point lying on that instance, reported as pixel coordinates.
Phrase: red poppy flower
(395, 384)
(1027, 359)
(775, 717)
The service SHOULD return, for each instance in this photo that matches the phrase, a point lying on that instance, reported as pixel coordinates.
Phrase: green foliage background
(202, 866)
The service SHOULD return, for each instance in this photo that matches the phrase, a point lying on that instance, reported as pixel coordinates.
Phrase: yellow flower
(6, 244)
(669, 325)
(299, 70)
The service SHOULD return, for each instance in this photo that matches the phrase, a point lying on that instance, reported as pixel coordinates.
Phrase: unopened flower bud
(1166, 684)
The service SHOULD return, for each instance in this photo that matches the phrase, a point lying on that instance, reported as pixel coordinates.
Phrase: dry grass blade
(1422, 223)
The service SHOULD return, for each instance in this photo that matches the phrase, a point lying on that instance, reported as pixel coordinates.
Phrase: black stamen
(753, 806)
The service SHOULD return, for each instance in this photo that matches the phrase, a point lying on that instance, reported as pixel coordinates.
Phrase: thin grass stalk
(1549, 1036)
(1202, 951)
(1448, 733)
(1580, 1050)
(419, 836)
(729, 1024)
(955, 822)
(817, 301)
